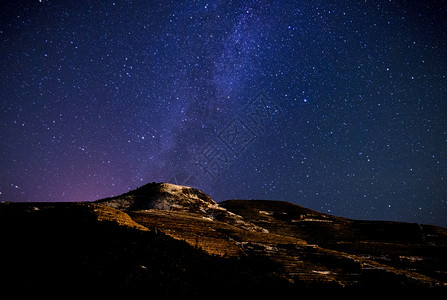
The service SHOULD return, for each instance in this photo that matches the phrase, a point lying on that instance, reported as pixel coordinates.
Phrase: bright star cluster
(339, 106)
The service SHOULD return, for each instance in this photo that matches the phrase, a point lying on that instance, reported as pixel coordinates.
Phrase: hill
(175, 240)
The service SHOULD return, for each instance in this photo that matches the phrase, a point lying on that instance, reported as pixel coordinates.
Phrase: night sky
(339, 106)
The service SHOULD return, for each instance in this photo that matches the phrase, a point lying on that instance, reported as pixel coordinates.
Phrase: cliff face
(129, 240)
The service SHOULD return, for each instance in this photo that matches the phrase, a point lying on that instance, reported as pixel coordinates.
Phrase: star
(318, 104)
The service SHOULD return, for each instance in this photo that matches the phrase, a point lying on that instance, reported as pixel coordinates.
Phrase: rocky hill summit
(175, 198)
(163, 196)
(170, 238)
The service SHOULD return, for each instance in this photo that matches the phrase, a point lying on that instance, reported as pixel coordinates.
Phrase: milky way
(339, 106)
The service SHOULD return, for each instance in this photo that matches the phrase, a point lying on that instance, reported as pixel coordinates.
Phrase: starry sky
(339, 106)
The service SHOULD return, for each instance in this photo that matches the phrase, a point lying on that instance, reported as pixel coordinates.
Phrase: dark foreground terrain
(175, 240)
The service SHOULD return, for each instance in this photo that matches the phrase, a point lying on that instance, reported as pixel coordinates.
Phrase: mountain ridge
(172, 197)
(163, 196)
(297, 246)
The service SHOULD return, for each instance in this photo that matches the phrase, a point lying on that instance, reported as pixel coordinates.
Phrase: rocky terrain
(175, 240)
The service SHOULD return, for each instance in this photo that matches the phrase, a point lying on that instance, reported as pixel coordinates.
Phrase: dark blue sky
(339, 106)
